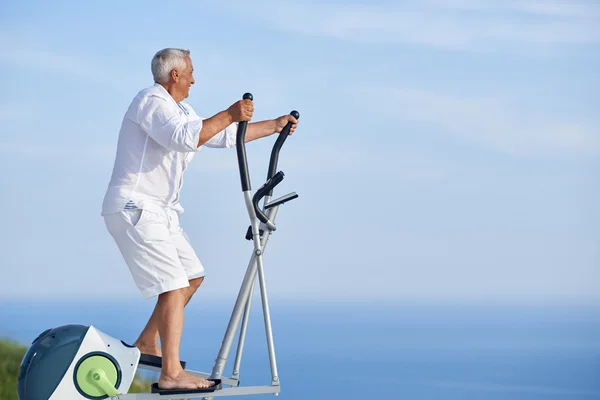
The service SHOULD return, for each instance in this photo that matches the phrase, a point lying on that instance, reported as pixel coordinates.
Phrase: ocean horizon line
(205, 299)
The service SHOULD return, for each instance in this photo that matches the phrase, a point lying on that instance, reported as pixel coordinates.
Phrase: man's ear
(175, 75)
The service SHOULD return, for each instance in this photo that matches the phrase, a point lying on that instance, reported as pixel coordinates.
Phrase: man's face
(185, 79)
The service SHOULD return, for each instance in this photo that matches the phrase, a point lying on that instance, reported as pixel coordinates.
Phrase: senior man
(159, 136)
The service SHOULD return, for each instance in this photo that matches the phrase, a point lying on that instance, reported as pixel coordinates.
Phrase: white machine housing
(97, 341)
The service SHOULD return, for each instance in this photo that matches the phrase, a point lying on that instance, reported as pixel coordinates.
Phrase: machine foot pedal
(150, 360)
(154, 361)
(216, 386)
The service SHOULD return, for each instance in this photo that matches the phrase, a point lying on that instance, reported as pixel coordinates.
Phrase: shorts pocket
(150, 227)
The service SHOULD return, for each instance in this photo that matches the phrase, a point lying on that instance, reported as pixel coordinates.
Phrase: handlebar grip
(277, 146)
(241, 150)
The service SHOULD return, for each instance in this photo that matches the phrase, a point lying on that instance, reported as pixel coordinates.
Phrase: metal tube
(234, 322)
(244, 295)
(241, 300)
(242, 338)
(266, 312)
(267, 318)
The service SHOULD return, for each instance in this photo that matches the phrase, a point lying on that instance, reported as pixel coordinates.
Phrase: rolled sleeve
(224, 139)
(167, 127)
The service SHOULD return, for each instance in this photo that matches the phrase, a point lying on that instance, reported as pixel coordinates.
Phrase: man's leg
(169, 315)
(147, 246)
(147, 342)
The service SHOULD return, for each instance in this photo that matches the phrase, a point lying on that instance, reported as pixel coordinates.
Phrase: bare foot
(153, 349)
(183, 380)
(203, 382)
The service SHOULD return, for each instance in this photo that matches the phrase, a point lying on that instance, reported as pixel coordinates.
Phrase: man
(158, 138)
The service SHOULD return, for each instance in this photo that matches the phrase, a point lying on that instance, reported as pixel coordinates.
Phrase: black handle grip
(285, 132)
(260, 193)
(240, 145)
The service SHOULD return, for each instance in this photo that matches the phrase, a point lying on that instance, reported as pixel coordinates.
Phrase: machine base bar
(237, 391)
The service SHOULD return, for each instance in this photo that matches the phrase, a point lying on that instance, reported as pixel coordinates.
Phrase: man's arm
(221, 121)
(213, 125)
(257, 130)
(239, 111)
(242, 111)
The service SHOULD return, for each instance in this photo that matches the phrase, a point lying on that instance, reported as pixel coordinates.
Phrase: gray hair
(165, 61)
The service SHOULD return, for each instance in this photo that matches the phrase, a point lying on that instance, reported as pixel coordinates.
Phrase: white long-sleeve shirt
(157, 141)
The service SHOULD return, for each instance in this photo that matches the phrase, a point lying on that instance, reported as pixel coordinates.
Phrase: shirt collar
(161, 89)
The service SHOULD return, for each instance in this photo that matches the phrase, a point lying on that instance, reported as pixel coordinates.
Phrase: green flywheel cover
(84, 380)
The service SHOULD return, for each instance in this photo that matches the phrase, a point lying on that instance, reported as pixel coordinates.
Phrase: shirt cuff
(231, 135)
(193, 136)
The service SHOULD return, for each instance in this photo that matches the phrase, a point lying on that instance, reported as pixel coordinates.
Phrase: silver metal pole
(242, 298)
(242, 306)
(266, 311)
(234, 321)
(242, 337)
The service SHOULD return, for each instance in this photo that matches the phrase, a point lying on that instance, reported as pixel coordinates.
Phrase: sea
(369, 349)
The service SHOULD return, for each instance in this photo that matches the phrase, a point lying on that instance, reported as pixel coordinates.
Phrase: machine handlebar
(278, 144)
(273, 179)
(241, 150)
(285, 132)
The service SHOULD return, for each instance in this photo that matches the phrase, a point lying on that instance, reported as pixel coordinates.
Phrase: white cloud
(490, 122)
(20, 52)
(346, 157)
(37, 150)
(501, 25)
(335, 157)
(10, 113)
(559, 8)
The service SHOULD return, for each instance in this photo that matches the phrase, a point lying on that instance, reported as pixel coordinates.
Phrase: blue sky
(448, 150)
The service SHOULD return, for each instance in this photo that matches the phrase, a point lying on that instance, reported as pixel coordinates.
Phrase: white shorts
(156, 249)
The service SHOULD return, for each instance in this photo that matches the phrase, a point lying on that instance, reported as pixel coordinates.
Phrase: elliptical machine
(76, 362)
